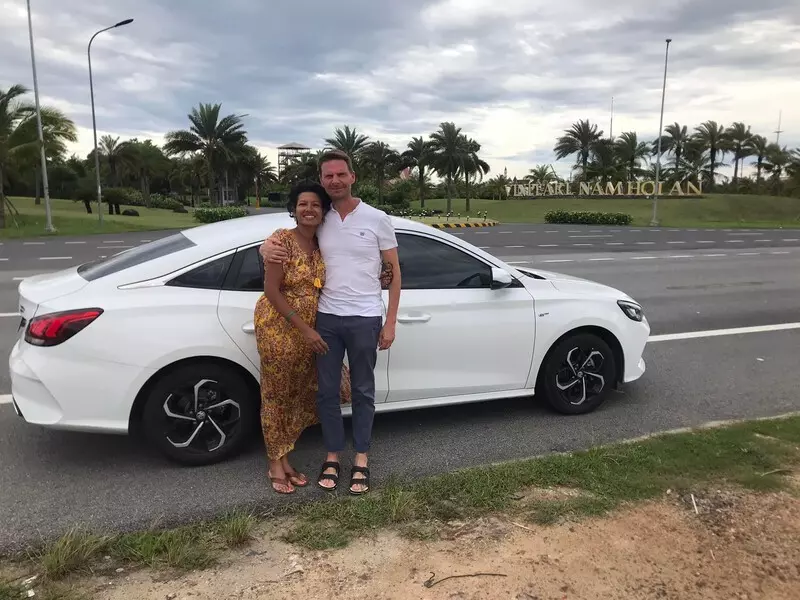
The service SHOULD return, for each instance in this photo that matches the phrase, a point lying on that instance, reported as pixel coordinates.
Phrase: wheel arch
(604, 334)
(135, 417)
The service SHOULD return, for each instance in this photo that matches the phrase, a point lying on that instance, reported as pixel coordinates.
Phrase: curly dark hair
(308, 186)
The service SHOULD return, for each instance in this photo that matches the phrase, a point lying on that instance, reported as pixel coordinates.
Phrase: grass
(714, 210)
(753, 455)
(748, 455)
(71, 218)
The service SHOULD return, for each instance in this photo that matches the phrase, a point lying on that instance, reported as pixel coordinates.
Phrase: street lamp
(94, 122)
(654, 221)
(48, 227)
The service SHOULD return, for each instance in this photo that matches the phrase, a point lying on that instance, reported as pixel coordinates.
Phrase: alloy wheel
(580, 376)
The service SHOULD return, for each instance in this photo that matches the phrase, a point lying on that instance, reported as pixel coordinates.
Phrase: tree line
(213, 161)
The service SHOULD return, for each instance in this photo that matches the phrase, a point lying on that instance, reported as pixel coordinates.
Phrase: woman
(287, 341)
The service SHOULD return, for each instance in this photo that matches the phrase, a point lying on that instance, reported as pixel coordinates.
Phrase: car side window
(209, 276)
(251, 272)
(428, 264)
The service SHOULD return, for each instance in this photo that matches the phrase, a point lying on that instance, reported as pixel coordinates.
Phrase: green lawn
(715, 210)
(71, 218)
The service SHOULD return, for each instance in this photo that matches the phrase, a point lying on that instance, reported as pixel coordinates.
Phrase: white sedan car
(160, 339)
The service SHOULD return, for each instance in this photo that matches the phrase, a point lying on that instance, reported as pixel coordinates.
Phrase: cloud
(513, 74)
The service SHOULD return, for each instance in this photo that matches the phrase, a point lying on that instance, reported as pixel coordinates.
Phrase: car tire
(226, 418)
(584, 386)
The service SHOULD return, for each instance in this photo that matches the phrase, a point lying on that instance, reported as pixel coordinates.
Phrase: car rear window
(136, 256)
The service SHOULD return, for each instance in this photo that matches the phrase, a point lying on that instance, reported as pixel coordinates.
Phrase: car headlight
(632, 310)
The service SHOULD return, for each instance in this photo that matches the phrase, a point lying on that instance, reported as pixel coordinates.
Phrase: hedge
(587, 218)
(219, 213)
(398, 211)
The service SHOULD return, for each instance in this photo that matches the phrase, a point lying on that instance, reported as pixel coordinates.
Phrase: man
(355, 240)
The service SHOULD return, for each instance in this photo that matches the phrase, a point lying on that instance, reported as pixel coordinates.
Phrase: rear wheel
(200, 414)
(578, 374)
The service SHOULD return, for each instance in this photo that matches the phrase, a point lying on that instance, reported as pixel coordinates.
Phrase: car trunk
(35, 290)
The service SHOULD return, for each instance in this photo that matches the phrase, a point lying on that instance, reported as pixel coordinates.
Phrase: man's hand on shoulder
(272, 251)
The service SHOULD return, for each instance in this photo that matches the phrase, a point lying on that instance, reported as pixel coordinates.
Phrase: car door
(455, 334)
(237, 303)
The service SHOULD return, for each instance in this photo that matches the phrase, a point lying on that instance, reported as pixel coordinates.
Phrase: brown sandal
(279, 481)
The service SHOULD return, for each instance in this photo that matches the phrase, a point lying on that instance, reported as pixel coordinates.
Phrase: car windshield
(136, 256)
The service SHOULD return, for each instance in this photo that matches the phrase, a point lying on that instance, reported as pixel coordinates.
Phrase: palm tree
(757, 146)
(603, 162)
(778, 158)
(737, 136)
(496, 187)
(349, 141)
(711, 136)
(578, 139)
(675, 141)
(382, 160)
(117, 155)
(303, 166)
(472, 165)
(542, 174)
(19, 133)
(263, 173)
(209, 135)
(448, 149)
(419, 156)
(145, 160)
(631, 152)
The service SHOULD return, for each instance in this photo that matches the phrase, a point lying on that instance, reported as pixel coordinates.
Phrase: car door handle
(249, 327)
(414, 318)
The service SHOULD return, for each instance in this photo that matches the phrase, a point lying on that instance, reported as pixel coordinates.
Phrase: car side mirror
(501, 278)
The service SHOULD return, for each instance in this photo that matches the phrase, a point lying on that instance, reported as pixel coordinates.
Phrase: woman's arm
(273, 278)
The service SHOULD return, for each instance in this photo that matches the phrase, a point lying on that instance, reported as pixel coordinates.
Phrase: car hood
(569, 284)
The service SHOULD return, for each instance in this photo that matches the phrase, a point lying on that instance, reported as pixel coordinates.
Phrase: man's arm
(387, 242)
(272, 251)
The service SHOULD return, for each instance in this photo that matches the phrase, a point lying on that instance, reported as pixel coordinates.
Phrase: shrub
(367, 191)
(161, 201)
(219, 213)
(400, 193)
(587, 218)
(399, 211)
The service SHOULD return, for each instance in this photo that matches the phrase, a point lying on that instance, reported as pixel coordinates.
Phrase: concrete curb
(462, 224)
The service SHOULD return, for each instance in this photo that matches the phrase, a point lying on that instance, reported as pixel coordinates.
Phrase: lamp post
(48, 227)
(654, 221)
(94, 122)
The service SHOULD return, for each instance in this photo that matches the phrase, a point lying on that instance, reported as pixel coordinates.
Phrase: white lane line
(600, 259)
(505, 232)
(559, 260)
(552, 231)
(454, 233)
(714, 255)
(681, 256)
(748, 253)
(484, 247)
(113, 241)
(720, 332)
(548, 246)
(735, 241)
(779, 253)
(676, 242)
(476, 233)
(591, 236)
(106, 247)
(643, 257)
(614, 243)
(573, 231)
(645, 243)
(634, 230)
(582, 244)
(790, 240)
(515, 246)
(55, 258)
(81, 242)
(763, 240)
(5, 399)
(33, 243)
(14, 314)
(3, 259)
(740, 233)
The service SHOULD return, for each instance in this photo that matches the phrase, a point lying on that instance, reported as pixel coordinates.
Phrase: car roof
(224, 235)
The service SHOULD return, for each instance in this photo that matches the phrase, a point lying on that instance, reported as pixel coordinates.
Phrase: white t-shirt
(351, 250)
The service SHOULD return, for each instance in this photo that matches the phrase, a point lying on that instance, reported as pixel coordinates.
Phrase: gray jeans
(358, 336)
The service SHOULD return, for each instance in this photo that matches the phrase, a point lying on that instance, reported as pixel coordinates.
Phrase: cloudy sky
(512, 73)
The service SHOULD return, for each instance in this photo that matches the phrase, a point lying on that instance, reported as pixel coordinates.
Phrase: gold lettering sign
(629, 188)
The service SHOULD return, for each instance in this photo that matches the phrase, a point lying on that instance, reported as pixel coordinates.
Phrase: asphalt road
(51, 480)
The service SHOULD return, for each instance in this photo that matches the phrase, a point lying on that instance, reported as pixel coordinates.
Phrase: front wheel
(200, 414)
(578, 374)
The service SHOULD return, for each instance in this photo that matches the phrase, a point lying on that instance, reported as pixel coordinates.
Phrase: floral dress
(288, 367)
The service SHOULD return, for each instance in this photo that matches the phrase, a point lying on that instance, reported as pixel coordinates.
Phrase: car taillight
(56, 328)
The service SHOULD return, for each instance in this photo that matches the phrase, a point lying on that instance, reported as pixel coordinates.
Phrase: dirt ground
(732, 546)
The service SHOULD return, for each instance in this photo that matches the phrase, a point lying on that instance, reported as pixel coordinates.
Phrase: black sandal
(359, 480)
(329, 476)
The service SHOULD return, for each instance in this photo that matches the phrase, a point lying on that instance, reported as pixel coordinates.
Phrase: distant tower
(778, 131)
(505, 171)
(288, 153)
